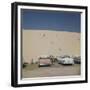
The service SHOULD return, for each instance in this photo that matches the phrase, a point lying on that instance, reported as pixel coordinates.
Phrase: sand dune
(46, 42)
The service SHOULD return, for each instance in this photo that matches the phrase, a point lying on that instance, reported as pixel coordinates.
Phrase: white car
(65, 60)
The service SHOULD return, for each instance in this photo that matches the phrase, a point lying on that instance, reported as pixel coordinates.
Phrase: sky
(50, 20)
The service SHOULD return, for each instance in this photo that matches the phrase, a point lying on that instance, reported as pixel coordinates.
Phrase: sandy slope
(37, 42)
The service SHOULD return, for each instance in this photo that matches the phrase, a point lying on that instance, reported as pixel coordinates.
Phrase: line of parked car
(65, 60)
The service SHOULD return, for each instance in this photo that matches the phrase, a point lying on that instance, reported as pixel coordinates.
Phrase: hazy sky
(50, 20)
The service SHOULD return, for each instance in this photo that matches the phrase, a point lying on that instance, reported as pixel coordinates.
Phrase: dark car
(77, 60)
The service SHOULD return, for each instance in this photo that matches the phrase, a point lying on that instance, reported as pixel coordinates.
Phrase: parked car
(59, 59)
(44, 61)
(77, 60)
(65, 60)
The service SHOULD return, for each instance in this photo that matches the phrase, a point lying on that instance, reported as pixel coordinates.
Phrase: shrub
(25, 64)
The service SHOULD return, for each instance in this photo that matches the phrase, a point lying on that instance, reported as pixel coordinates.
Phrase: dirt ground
(54, 70)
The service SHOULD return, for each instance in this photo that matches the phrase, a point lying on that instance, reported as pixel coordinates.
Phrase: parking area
(54, 70)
